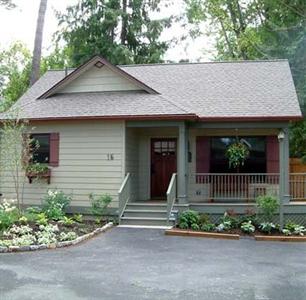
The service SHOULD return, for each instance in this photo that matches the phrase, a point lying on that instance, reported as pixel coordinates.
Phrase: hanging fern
(237, 153)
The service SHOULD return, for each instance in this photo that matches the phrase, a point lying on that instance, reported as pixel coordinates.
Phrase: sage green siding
(99, 80)
(132, 161)
(84, 166)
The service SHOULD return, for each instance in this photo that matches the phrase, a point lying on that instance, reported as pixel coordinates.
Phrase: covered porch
(176, 162)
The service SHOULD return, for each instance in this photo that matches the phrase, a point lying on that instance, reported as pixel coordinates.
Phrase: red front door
(163, 165)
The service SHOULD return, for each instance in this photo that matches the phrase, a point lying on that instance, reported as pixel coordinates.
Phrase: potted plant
(237, 153)
(38, 171)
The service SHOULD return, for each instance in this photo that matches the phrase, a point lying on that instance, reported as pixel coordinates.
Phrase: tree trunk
(124, 22)
(35, 73)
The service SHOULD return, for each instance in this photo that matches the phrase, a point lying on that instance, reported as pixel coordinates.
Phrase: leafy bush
(195, 227)
(9, 214)
(204, 219)
(294, 229)
(224, 226)
(55, 203)
(247, 227)
(78, 218)
(267, 227)
(187, 218)
(229, 221)
(41, 219)
(67, 221)
(99, 204)
(267, 205)
(208, 227)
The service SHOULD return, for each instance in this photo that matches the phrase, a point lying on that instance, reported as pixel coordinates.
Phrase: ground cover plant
(45, 225)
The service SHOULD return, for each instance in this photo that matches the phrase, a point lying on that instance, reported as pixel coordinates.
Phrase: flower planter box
(181, 232)
(45, 176)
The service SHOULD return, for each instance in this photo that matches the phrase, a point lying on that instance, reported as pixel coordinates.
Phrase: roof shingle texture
(228, 90)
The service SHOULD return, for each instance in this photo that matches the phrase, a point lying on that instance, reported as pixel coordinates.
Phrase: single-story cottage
(154, 136)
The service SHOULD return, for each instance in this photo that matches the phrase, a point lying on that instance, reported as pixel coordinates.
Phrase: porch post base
(286, 199)
(182, 199)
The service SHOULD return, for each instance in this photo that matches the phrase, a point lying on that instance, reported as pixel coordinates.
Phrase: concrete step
(144, 221)
(145, 213)
(146, 206)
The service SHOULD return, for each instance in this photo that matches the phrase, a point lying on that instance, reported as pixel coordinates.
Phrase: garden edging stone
(58, 244)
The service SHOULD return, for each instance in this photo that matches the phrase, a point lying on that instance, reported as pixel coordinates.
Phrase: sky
(19, 25)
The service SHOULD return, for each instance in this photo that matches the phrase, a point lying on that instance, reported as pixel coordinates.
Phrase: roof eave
(187, 117)
(251, 118)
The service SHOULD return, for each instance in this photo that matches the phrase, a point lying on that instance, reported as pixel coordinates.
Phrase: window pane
(41, 148)
(256, 163)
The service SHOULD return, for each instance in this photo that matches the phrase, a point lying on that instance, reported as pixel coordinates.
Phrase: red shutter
(54, 149)
(202, 154)
(272, 154)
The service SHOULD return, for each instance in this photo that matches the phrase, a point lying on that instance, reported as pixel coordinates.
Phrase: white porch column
(284, 196)
(182, 164)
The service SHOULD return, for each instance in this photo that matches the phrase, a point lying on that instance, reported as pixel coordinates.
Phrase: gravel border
(58, 244)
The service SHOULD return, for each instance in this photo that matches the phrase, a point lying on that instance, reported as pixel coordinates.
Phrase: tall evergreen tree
(122, 31)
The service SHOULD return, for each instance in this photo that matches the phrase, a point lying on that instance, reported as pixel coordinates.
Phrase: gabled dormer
(97, 75)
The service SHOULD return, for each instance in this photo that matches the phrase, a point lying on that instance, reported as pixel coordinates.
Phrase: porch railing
(297, 186)
(171, 195)
(238, 187)
(124, 194)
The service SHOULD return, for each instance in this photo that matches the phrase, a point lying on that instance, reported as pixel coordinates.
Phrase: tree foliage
(15, 63)
(122, 31)
(15, 69)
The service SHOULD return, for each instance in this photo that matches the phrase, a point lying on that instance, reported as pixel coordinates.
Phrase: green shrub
(188, 218)
(204, 219)
(55, 203)
(294, 229)
(230, 222)
(247, 227)
(9, 214)
(195, 227)
(67, 221)
(267, 227)
(208, 227)
(248, 217)
(41, 219)
(267, 205)
(78, 218)
(99, 204)
(224, 226)
(183, 225)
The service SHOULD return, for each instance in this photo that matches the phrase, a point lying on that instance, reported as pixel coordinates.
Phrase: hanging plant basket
(237, 153)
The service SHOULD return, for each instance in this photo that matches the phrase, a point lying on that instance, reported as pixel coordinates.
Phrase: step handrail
(171, 195)
(124, 194)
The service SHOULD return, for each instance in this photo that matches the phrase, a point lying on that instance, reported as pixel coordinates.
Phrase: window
(41, 154)
(256, 163)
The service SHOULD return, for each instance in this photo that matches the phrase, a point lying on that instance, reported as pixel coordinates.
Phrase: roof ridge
(188, 63)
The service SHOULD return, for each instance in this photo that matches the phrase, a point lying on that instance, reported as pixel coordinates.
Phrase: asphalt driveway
(134, 264)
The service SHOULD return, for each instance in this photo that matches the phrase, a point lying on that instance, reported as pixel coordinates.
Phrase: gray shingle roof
(262, 89)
